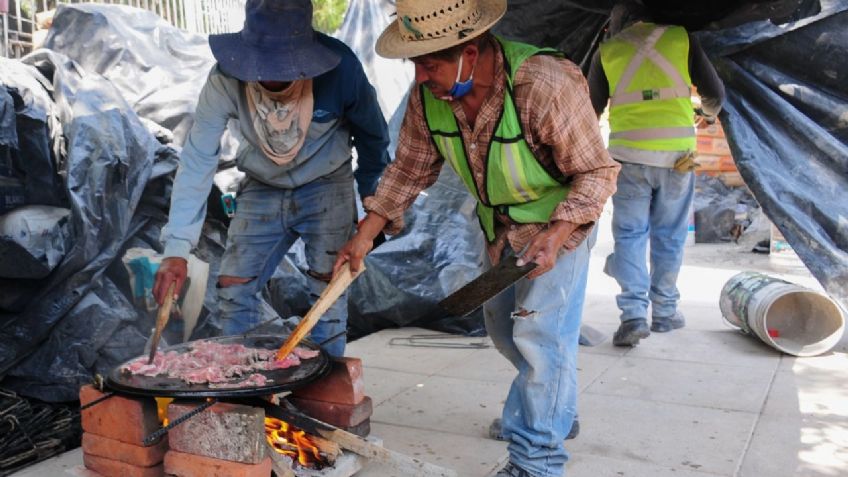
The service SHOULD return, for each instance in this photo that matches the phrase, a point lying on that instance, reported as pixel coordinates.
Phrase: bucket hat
(427, 27)
(277, 43)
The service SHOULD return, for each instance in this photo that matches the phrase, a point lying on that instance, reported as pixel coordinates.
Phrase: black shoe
(667, 323)
(512, 470)
(630, 332)
(496, 432)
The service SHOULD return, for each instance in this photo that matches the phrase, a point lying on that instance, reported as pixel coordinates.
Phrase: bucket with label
(788, 317)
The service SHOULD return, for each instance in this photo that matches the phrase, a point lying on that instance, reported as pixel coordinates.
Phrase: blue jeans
(650, 202)
(267, 223)
(536, 325)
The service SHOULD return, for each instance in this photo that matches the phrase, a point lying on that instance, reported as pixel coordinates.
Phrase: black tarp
(76, 321)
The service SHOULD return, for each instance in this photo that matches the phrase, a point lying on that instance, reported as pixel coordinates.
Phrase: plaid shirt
(560, 127)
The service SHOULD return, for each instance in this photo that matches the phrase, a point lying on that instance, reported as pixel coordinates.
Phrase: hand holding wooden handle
(162, 320)
(334, 290)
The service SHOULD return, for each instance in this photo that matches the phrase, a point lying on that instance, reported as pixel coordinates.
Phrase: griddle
(281, 379)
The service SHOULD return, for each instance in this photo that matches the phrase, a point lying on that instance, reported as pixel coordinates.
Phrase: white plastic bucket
(788, 317)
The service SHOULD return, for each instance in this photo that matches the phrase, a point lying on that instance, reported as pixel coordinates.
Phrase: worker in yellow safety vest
(645, 71)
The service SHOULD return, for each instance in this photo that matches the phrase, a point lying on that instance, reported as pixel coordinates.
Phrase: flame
(293, 442)
(162, 409)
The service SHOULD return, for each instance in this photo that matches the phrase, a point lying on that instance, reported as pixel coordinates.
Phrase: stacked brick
(338, 399)
(714, 157)
(113, 431)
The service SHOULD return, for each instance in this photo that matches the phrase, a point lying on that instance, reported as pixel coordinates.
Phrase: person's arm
(598, 84)
(705, 78)
(370, 132)
(416, 166)
(567, 123)
(198, 163)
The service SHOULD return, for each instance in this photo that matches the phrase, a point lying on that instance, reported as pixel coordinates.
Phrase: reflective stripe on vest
(650, 88)
(515, 184)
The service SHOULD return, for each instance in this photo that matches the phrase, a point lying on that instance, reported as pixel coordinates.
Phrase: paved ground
(701, 401)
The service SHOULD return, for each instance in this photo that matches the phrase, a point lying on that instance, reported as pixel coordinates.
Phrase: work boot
(496, 431)
(630, 332)
(512, 470)
(664, 324)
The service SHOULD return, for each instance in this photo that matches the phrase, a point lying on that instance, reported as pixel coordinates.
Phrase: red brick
(224, 431)
(362, 429)
(337, 414)
(121, 418)
(180, 464)
(141, 456)
(342, 385)
(115, 468)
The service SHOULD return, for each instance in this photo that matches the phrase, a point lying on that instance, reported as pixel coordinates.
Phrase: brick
(732, 179)
(121, 418)
(712, 145)
(115, 468)
(336, 414)
(114, 449)
(342, 385)
(224, 431)
(362, 429)
(715, 163)
(180, 464)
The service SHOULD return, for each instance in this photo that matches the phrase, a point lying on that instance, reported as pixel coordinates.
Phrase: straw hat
(424, 27)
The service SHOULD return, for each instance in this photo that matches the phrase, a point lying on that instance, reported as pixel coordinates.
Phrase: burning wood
(308, 451)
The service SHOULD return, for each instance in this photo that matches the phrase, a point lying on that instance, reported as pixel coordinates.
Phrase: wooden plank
(334, 290)
(403, 464)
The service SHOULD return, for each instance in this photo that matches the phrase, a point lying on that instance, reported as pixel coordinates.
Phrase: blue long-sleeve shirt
(345, 114)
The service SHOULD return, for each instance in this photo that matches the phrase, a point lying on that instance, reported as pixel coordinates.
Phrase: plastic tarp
(77, 321)
(158, 69)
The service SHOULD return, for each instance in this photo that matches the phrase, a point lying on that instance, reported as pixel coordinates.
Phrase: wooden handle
(334, 290)
(162, 320)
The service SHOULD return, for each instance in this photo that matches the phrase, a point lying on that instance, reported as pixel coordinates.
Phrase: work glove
(686, 163)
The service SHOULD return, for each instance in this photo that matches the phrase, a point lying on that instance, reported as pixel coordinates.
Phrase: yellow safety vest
(647, 67)
(516, 184)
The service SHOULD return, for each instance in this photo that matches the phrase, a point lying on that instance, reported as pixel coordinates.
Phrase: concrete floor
(701, 401)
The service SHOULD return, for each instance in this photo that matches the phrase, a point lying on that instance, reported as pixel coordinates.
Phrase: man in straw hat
(299, 98)
(516, 124)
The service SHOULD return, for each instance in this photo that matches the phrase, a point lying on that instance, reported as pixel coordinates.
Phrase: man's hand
(545, 246)
(172, 269)
(355, 250)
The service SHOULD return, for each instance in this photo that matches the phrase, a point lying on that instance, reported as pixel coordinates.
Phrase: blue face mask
(461, 88)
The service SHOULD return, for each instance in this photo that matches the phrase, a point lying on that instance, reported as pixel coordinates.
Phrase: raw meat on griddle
(213, 362)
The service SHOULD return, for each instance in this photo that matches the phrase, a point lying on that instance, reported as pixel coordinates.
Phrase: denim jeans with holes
(267, 223)
(535, 324)
(651, 204)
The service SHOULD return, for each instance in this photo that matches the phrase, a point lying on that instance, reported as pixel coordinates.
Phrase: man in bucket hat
(299, 97)
(516, 124)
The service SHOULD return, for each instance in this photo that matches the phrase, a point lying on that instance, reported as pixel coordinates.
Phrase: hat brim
(392, 45)
(246, 62)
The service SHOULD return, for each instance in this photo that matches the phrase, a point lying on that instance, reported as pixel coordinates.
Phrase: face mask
(461, 88)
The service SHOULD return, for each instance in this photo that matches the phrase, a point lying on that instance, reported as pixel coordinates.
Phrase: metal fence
(20, 28)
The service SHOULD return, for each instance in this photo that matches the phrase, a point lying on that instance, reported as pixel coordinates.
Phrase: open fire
(295, 443)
